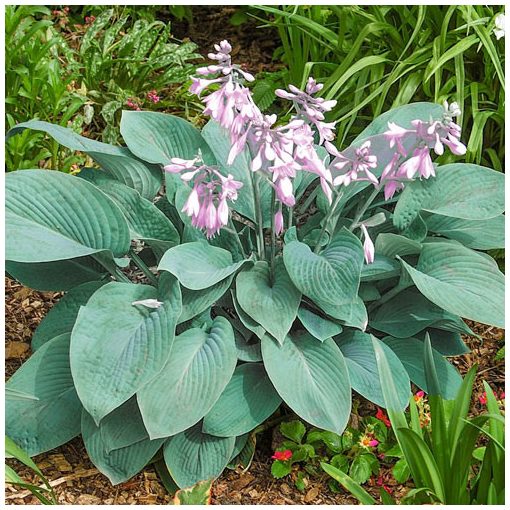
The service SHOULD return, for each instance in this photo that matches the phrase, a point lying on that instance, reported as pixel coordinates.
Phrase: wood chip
(311, 494)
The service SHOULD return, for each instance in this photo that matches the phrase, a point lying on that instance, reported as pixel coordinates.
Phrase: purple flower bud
(368, 246)
(278, 222)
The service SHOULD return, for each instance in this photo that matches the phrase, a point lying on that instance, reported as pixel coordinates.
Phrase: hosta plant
(272, 262)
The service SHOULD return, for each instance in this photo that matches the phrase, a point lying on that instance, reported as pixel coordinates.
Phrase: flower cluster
(207, 203)
(406, 164)
(277, 152)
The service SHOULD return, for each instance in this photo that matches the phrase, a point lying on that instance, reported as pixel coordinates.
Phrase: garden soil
(77, 481)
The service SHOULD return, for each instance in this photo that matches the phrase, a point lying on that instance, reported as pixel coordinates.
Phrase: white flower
(499, 22)
(149, 303)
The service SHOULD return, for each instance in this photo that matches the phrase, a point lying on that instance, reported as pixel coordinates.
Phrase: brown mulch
(78, 482)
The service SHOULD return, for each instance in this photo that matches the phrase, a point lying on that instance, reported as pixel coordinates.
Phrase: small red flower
(90, 19)
(380, 415)
(285, 455)
(373, 443)
(483, 398)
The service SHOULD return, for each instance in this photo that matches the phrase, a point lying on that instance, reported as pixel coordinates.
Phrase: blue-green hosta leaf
(158, 137)
(351, 314)
(459, 190)
(381, 268)
(55, 216)
(194, 302)
(200, 366)
(60, 275)
(461, 281)
(447, 343)
(248, 399)
(248, 350)
(390, 245)
(410, 312)
(246, 320)
(333, 276)
(118, 347)
(123, 426)
(116, 161)
(312, 379)
(402, 116)
(318, 326)
(145, 220)
(260, 296)
(193, 456)
(410, 352)
(476, 234)
(120, 464)
(199, 265)
(61, 318)
(218, 139)
(359, 355)
(54, 418)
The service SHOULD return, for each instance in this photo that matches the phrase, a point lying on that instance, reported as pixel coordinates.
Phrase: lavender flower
(368, 246)
(357, 168)
(207, 203)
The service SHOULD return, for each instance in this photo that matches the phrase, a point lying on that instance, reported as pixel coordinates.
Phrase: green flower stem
(290, 218)
(327, 218)
(143, 267)
(112, 269)
(258, 213)
(231, 228)
(363, 209)
(389, 295)
(273, 235)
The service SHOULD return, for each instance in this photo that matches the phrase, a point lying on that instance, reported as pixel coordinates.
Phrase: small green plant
(127, 62)
(39, 83)
(445, 462)
(44, 494)
(358, 451)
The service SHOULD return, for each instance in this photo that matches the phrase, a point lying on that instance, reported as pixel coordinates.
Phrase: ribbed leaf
(194, 302)
(461, 281)
(410, 352)
(117, 161)
(410, 312)
(359, 356)
(55, 216)
(318, 326)
(248, 399)
(123, 426)
(381, 268)
(389, 245)
(480, 197)
(259, 296)
(145, 220)
(54, 418)
(198, 265)
(332, 277)
(193, 456)
(477, 234)
(121, 464)
(200, 366)
(312, 378)
(117, 347)
(61, 318)
(157, 137)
